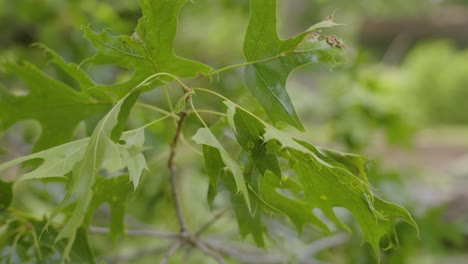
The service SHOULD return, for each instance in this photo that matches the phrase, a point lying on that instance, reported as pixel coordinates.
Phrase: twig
(142, 232)
(215, 218)
(209, 252)
(173, 171)
(137, 255)
(171, 251)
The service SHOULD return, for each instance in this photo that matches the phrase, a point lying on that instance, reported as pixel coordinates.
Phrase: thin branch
(142, 232)
(171, 251)
(215, 218)
(137, 255)
(207, 111)
(173, 172)
(209, 252)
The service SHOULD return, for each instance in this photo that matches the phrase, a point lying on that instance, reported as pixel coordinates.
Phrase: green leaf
(85, 158)
(273, 192)
(72, 69)
(30, 249)
(249, 132)
(6, 194)
(60, 160)
(326, 179)
(115, 192)
(101, 152)
(150, 49)
(123, 115)
(58, 107)
(131, 155)
(57, 161)
(206, 138)
(249, 222)
(326, 23)
(273, 60)
(214, 166)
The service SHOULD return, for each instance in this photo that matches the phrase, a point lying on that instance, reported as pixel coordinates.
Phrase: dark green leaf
(214, 165)
(249, 132)
(113, 191)
(123, 115)
(58, 107)
(274, 59)
(6, 194)
(249, 222)
(30, 249)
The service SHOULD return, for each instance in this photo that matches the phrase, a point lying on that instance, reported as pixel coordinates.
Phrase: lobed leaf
(55, 105)
(274, 59)
(149, 50)
(85, 158)
(325, 179)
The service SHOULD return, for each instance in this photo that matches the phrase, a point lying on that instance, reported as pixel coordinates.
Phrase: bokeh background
(401, 99)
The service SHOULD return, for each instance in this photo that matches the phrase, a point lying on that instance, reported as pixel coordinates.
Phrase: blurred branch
(137, 255)
(172, 250)
(215, 218)
(143, 232)
(173, 172)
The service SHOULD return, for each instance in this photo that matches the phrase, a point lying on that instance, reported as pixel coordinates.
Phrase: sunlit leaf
(206, 138)
(100, 152)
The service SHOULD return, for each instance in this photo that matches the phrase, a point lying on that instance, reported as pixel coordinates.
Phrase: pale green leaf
(205, 137)
(57, 161)
(326, 23)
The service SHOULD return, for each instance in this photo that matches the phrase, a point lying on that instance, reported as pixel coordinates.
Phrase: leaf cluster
(272, 173)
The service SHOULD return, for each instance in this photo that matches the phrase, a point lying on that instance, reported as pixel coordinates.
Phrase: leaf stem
(225, 98)
(149, 124)
(169, 102)
(157, 109)
(246, 63)
(196, 113)
(208, 112)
